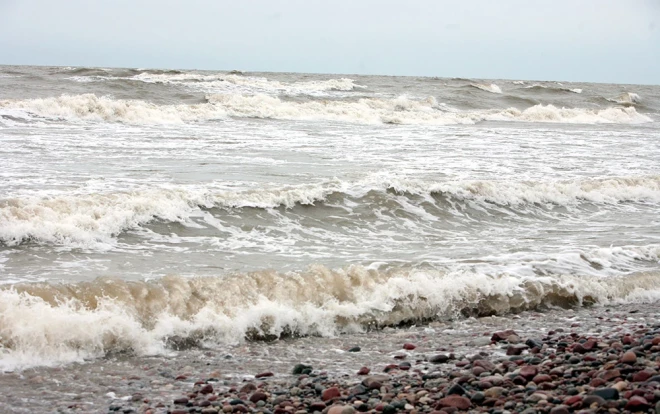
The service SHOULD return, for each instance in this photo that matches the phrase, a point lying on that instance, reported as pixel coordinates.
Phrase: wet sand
(459, 365)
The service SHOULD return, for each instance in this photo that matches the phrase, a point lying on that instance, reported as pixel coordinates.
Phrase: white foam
(52, 324)
(401, 110)
(492, 88)
(627, 98)
(90, 107)
(95, 219)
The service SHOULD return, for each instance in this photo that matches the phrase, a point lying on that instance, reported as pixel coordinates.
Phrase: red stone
(597, 382)
(627, 340)
(573, 400)
(641, 376)
(206, 389)
(528, 372)
(542, 378)
(248, 388)
(317, 406)
(364, 371)
(590, 344)
(409, 346)
(611, 374)
(629, 357)
(502, 335)
(656, 340)
(455, 401)
(264, 374)
(637, 403)
(258, 396)
(484, 363)
(330, 393)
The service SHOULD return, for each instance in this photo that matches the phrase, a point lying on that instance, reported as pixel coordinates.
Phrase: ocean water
(142, 208)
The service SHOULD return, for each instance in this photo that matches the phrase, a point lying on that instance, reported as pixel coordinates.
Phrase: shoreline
(461, 365)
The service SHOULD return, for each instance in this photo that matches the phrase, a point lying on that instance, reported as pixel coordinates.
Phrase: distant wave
(547, 88)
(627, 98)
(225, 82)
(92, 219)
(46, 324)
(492, 88)
(401, 110)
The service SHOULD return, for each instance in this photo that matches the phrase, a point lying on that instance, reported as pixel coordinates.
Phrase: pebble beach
(587, 360)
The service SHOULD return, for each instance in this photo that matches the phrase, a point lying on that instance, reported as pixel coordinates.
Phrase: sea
(154, 212)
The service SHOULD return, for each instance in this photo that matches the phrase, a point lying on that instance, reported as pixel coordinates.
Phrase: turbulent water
(142, 208)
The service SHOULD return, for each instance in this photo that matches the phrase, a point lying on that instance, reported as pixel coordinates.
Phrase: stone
(341, 409)
(629, 357)
(355, 349)
(637, 403)
(364, 371)
(455, 401)
(641, 376)
(317, 406)
(589, 400)
(299, 368)
(560, 409)
(540, 378)
(494, 392)
(206, 389)
(439, 359)
(515, 349)
(606, 393)
(330, 393)
(456, 389)
(502, 335)
(611, 374)
(528, 372)
(534, 343)
(248, 388)
(374, 382)
(485, 364)
(181, 401)
(258, 396)
(409, 346)
(264, 375)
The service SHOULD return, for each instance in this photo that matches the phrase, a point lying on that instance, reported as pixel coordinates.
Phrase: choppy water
(141, 205)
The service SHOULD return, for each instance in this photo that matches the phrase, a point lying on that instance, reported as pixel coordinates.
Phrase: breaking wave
(546, 88)
(89, 219)
(401, 110)
(627, 98)
(46, 324)
(492, 88)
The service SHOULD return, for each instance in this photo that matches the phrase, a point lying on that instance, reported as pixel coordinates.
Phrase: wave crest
(47, 324)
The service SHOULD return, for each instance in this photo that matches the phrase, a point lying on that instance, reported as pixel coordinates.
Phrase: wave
(48, 324)
(227, 82)
(404, 110)
(627, 98)
(89, 107)
(492, 88)
(539, 87)
(95, 219)
(401, 110)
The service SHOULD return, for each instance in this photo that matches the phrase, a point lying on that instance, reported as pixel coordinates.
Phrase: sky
(615, 41)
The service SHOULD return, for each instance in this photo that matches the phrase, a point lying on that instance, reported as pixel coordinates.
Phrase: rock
(439, 359)
(478, 398)
(341, 409)
(374, 382)
(637, 403)
(502, 335)
(258, 396)
(364, 371)
(641, 376)
(560, 409)
(606, 393)
(485, 364)
(516, 349)
(513, 339)
(456, 389)
(620, 386)
(300, 368)
(455, 401)
(389, 409)
(317, 406)
(330, 393)
(409, 346)
(541, 378)
(494, 392)
(248, 388)
(264, 375)
(355, 349)
(611, 374)
(629, 357)
(528, 372)
(206, 389)
(589, 400)
(534, 343)
(181, 401)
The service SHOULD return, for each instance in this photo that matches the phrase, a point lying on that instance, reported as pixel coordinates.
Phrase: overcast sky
(576, 40)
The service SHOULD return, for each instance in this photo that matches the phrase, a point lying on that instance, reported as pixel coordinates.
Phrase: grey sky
(579, 40)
